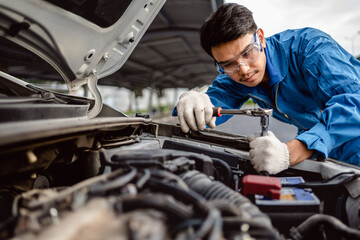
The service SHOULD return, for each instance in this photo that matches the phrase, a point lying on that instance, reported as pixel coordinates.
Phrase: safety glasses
(247, 58)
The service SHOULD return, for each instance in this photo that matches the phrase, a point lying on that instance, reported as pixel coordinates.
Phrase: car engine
(151, 181)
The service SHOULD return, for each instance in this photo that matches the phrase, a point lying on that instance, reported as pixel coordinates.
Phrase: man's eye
(248, 53)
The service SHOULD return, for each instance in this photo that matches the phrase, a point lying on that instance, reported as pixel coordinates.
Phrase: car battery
(289, 208)
(291, 199)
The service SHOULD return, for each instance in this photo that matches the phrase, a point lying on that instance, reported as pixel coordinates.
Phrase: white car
(74, 168)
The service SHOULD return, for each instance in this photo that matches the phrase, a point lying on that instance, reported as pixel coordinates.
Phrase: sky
(339, 18)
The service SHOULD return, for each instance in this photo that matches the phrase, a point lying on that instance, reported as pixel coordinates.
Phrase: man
(307, 78)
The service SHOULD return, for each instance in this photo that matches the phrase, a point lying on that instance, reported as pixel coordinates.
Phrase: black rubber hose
(137, 163)
(211, 224)
(161, 202)
(168, 176)
(212, 190)
(225, 167)
(143, 179)
(210, 227)
(186, 196)
(257, 230)
(114, 183)
(305, 228)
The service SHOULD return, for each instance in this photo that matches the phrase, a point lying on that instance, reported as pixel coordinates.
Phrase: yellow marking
(286, 197)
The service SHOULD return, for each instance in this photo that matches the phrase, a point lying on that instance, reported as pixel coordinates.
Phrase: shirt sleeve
(332, 75)
(227, 94)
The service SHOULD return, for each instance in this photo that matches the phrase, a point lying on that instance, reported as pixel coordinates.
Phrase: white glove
(195, 110)
(268, 154)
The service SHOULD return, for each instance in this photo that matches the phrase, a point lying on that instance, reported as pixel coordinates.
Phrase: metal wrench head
(258, 112)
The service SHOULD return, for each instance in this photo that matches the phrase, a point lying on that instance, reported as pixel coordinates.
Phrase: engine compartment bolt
(31, 157)
(106, 57)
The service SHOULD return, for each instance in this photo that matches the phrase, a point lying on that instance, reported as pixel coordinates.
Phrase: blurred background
(171, 46)
(169, 60)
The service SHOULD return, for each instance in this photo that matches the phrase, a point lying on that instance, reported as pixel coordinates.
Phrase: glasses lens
(251, 55)
(231, 70)
(246, 59)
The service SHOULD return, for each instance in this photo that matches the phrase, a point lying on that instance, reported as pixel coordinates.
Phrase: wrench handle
(217, 112)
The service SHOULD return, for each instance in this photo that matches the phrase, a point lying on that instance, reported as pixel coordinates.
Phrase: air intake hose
(213, 190)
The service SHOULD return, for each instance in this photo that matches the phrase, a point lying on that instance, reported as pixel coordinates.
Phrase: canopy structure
(169, 54)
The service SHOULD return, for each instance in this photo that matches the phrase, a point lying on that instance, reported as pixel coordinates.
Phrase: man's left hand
(268, 154)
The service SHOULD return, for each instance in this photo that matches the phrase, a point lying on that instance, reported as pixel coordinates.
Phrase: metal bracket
(93, 88)
(92, 84)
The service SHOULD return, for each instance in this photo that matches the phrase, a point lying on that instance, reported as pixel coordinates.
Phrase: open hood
(83, 40)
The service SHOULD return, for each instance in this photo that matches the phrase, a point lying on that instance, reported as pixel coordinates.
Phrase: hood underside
(79, 49)
(169, 54)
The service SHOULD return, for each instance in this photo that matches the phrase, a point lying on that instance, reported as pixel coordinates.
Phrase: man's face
(251, 74)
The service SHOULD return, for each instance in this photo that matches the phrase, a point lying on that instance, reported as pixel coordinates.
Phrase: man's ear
(261, 35)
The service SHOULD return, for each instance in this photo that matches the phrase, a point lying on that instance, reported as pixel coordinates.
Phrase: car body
(73, 167)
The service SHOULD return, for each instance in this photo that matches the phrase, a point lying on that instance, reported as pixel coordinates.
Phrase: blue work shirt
(315, 86)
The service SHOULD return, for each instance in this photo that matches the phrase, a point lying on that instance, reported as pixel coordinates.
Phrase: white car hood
(81, 51)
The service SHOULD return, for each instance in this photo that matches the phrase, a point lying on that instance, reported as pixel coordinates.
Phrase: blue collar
(273, 74)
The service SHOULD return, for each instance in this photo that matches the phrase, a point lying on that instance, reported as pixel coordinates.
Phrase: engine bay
(144, 180)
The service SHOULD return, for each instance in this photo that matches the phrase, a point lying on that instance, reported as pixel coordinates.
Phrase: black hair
(229, 22)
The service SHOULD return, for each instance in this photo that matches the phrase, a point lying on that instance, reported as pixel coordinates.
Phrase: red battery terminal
(269, 187)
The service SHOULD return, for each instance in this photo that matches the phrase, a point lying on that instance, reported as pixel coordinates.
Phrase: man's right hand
(195, 110)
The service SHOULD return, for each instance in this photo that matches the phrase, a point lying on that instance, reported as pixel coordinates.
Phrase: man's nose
(243, 68)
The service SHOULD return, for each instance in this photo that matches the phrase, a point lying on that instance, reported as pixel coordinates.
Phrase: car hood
(82, 40)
